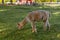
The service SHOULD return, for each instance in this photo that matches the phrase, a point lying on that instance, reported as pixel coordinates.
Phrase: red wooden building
(24, 2)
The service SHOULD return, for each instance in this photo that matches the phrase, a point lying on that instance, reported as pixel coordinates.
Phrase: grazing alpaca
(36, 16)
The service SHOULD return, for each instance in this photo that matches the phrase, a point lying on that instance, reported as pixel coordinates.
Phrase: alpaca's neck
(24, 21)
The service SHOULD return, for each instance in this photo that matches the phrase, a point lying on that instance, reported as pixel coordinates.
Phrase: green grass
(11, 15)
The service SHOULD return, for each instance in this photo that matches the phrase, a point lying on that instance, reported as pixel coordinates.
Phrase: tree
(3, 2)
(11, 1)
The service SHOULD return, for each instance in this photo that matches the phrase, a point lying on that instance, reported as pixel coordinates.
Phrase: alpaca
(34, 16)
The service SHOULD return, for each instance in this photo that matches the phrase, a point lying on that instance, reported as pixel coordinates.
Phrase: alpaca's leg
(48, 25)
(45, 25)
(33, 27)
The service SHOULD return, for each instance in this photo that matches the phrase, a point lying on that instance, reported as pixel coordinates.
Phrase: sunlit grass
(4, 10)
(11, 15)
(53, 5)
(2, 30)
(58, 35)
(56, 13)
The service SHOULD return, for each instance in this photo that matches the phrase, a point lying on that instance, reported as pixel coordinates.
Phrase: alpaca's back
(38, 15)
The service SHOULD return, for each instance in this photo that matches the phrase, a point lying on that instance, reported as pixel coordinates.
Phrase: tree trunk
(3, 2)
(11, 1)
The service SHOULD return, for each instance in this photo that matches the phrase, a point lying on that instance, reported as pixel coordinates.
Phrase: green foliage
(7, 1)
(39, 1)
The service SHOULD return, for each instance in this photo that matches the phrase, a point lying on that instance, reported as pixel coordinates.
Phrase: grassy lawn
(11, 15)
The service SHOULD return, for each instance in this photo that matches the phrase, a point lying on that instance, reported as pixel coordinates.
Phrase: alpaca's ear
(18, 24)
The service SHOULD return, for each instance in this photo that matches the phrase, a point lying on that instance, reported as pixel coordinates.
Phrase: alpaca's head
(20, 25)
